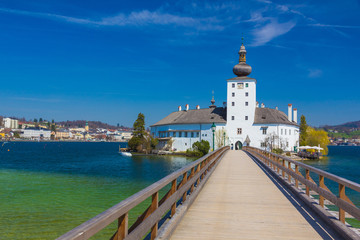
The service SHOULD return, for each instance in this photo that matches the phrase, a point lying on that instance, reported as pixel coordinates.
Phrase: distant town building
(241, 121)
(35, 133)
(10, 123)
(63, 134)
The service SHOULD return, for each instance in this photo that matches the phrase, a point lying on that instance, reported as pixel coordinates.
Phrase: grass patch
(332, 208)
(353, 222)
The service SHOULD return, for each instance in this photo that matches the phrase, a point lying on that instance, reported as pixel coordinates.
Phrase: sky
(109, 60)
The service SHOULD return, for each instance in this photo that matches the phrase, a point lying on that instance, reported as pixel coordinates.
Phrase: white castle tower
(241, 102)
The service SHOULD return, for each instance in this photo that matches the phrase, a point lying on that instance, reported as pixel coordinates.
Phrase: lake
(48, 188)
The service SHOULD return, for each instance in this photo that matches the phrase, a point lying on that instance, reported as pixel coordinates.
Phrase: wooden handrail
(342, 201)
(152, 215)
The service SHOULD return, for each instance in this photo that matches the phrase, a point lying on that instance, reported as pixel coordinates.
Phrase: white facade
(11, 123)
(35, 133)
(185, 135)
(241, 104)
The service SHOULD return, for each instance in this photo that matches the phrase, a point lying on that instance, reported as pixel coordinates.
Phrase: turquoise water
(343, 161)
(48, 188)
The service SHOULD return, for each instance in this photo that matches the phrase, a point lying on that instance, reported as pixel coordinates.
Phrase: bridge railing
(192, 175)
(289, 170)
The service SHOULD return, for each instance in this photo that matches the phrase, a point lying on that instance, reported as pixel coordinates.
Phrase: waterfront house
(35, 133)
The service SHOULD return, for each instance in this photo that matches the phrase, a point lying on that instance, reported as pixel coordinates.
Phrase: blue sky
(109, 60)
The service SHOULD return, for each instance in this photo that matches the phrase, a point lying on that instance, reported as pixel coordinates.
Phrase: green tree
(40, 120)
(139, 126)
(134, 143)
(141, 140)
(203, 147)
(35, 120)
(303, 130)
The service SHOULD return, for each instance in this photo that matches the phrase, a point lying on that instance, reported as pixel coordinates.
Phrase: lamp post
(213, 127)
(224, 138)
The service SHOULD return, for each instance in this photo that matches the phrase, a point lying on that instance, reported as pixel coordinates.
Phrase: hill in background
(346, 130)
(92, 125)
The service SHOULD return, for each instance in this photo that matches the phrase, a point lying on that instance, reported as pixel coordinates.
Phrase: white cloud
(333, 26)
(265, 34)
(137, 18)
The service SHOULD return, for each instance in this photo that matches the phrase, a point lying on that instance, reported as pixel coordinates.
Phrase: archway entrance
(238, 145)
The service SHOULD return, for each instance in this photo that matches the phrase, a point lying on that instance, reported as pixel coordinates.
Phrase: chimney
(179, 108)
(295, 115)
(290, 112)
(197, 107)
(262, 105)
(276, 108)
(257, 104)
(187, 107)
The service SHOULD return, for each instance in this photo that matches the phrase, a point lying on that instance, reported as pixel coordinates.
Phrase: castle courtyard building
(240, 122)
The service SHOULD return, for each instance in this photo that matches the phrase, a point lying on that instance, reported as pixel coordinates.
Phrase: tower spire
(212, 101)
(242, 69)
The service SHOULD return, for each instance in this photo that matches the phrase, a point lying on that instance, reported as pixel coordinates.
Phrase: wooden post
(154, 206)
(297, 172)
(122, 231)
(191, 175)
(307, 178)
(173, 190)
(183, 182)
(283, 172)
(277, 167)
(342, 196)
(322, 185)
(289, 176)
(197, 170)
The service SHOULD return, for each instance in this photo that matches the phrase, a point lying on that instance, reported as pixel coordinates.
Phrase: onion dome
(212, 103)
(242, 69)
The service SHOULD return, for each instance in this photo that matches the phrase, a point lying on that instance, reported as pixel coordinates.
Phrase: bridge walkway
(242, 201)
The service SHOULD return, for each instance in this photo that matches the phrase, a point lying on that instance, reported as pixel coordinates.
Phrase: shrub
(203, 147)
(193, 153)
(278, 151)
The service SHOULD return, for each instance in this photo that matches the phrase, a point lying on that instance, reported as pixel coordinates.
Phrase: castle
(240, 122)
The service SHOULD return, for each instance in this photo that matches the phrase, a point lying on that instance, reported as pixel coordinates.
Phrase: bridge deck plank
(240, 201)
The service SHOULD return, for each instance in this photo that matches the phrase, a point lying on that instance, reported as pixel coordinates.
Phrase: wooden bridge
(251, 194)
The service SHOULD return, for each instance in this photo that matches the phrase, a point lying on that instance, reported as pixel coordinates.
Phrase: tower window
(240, 85)
(264, 130)
(246, 94)
(246, 103)
(232, 117)
(246, 118)
(233, 94)
(289, 131)
(239, 131)
(233, 85)
(233, 104)
(185, 133)
(246, 85)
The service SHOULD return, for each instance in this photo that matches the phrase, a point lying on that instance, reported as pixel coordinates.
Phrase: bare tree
(220, 136)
